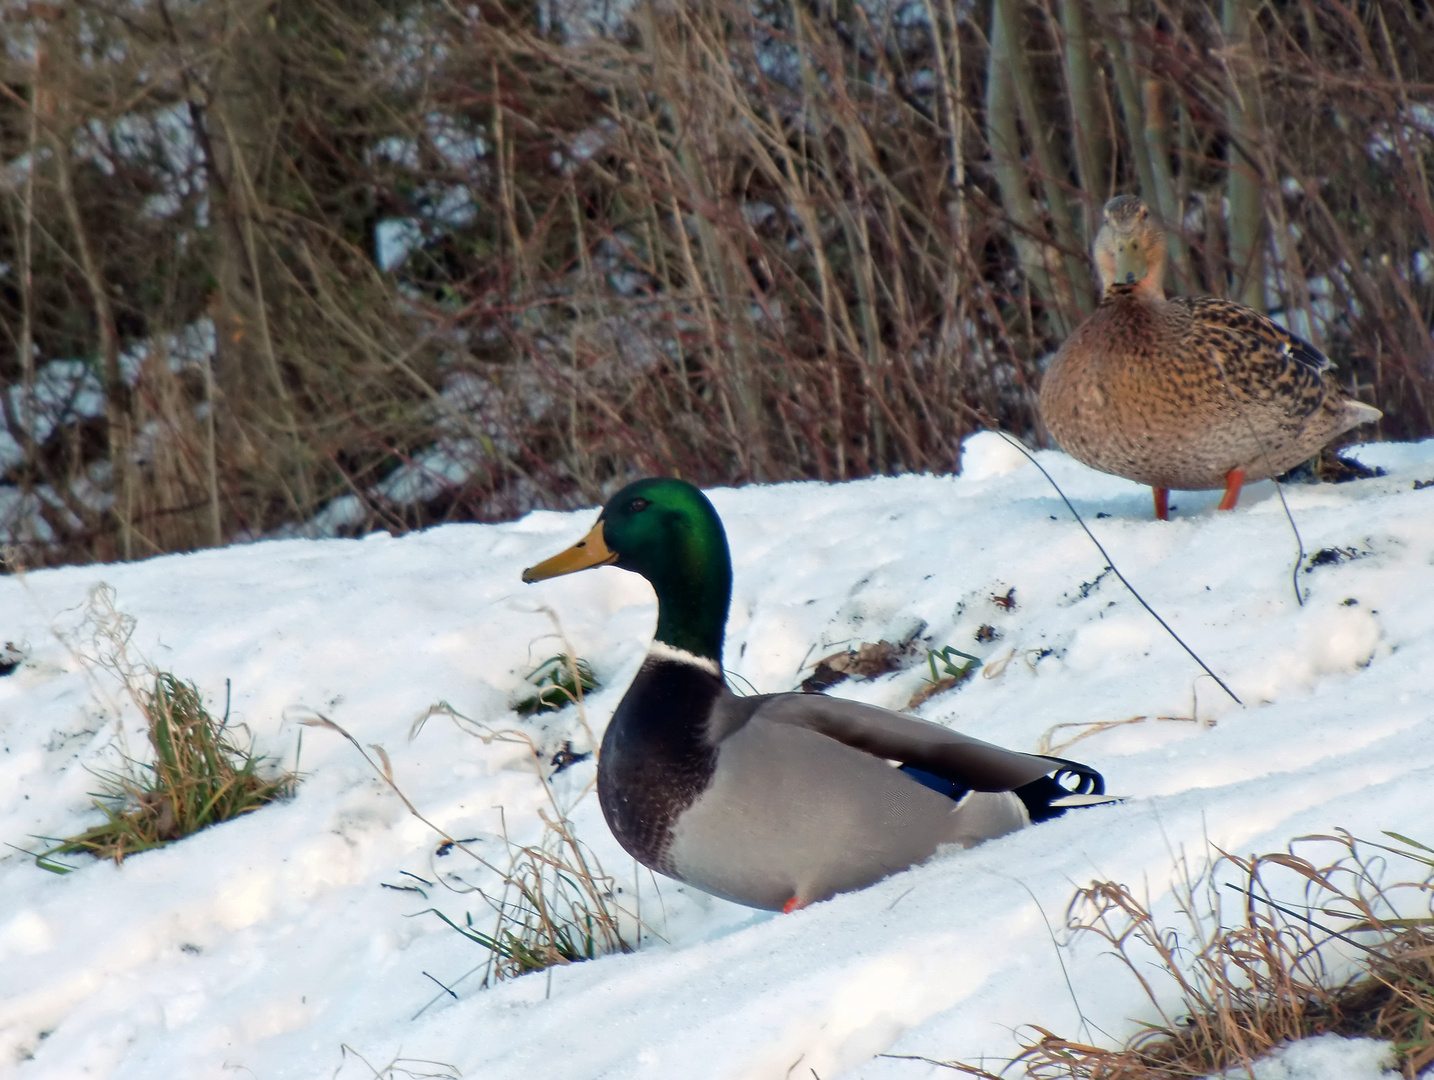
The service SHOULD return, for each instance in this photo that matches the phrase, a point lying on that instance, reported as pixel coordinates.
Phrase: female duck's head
(1130, 247)
(668, 532)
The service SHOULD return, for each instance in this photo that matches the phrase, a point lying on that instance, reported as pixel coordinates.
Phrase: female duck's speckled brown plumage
(1190, 393)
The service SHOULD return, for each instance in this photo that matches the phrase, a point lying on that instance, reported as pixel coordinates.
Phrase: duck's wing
(1257, 354)
(918, 743)
(1268, 363)
(1259, 330)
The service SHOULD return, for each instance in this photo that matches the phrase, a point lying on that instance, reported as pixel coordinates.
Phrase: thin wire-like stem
(1116, 570)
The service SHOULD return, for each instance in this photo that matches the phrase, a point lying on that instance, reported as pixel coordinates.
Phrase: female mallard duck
(1191, 393)
(778, 800)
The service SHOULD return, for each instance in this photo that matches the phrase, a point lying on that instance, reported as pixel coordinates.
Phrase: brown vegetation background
(734, 241)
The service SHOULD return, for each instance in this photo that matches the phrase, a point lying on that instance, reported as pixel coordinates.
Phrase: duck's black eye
(637, 506)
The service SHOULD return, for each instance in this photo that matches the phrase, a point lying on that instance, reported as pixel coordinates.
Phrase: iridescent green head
(668, 532)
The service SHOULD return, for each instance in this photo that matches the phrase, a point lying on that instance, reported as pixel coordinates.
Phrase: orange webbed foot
(796, 903)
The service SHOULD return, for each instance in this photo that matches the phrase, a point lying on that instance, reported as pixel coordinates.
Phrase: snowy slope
(265, 946)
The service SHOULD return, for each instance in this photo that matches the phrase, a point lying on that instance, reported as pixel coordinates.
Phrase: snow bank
(265, 946)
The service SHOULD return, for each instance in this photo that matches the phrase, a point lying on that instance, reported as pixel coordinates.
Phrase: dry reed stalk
(1085, 729)
(727, 242)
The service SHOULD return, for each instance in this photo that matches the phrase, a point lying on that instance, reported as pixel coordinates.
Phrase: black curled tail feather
(1086, 780)
(1071, 778)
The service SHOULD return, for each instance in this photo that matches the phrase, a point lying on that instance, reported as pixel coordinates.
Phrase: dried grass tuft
(554, 904)
(557, 683)
(200, 776)
(1351, 952)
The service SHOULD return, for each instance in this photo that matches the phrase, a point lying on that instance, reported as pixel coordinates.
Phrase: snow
(1325, 1057)
(269, 946)
(394, 239)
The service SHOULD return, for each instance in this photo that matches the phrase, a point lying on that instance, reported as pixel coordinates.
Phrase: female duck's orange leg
(1162, 503)
(796, 903)
(1233, 480)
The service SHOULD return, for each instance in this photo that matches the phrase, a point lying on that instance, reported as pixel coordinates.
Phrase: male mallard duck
(778, 800)
(1191, 393)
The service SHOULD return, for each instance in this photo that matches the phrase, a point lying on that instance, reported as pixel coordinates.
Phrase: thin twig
(1116, 570)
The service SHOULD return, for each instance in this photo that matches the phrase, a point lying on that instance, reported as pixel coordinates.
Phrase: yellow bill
(588, 552)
